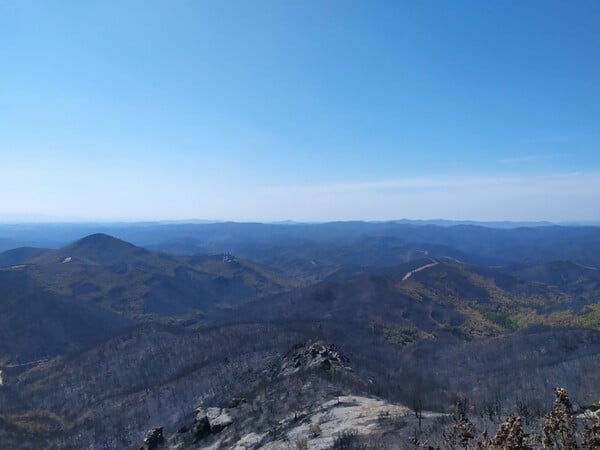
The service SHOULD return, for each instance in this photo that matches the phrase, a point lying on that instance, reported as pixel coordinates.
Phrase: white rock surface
(336, 416)
(248, 442)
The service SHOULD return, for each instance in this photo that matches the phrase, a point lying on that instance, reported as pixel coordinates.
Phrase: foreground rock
(310, 399)
(210, 421)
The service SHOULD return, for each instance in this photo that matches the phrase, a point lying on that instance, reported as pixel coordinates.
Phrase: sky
(299, 110)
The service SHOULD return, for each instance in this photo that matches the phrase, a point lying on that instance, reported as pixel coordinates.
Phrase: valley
(348, 339)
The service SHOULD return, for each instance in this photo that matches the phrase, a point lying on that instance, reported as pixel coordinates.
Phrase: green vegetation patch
(587, 317)
(506, 322)
(397, 334)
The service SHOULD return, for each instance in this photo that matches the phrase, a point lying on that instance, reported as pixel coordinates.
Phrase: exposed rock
(249, 441)
(201, 427)
(335, 417)
(210, 421)
(223, 420)
(237, 401)
(312, 355)
(153, 439)
(309, 406)
(326, 364)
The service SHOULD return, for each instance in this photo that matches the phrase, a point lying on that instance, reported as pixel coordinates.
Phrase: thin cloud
(554, 197)
(423, 182)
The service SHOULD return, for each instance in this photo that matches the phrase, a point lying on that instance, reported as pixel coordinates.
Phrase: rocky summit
(310, 398)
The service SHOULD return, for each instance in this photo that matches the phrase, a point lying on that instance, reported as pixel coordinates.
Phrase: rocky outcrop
(315, 355)
(320, 426)
(298, 403)
(201, 428)
(153, 439)
(236, 401)
(210, 421)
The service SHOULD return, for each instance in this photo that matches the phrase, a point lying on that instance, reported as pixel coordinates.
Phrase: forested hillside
(324, 336)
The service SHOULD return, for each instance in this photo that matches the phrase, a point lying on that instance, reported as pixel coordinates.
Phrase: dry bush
(510, 436)
(314, 429)
(558, 430)
(591, 435)
(301, 443)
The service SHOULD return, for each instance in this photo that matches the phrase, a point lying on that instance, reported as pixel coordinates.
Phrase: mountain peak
(101, 247)
(100, 239)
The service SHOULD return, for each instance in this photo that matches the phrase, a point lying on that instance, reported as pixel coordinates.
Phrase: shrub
(314, 429)
(301, 443)
(558, 430)
(510, 435)
(591, 435)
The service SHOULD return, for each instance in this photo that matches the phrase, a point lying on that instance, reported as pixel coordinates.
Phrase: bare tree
(416, 400)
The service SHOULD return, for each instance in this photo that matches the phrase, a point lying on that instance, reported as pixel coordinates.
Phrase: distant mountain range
(102, 340)
(258, 241)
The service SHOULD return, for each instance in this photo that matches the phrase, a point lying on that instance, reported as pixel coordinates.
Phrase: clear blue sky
(272, 110)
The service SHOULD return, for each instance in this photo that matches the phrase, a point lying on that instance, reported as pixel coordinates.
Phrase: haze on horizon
(307, 111)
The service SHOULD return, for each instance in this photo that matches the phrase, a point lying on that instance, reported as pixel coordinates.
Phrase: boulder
(153, 439)
(223, 420)
(236, 401)
(201, 427)
(210, 421)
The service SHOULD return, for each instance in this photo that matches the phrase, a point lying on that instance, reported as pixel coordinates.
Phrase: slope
(65, 299)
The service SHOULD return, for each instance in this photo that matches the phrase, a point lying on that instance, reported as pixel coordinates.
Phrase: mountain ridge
(101, 334)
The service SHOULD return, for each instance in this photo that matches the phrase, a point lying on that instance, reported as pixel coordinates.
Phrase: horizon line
(435, 221)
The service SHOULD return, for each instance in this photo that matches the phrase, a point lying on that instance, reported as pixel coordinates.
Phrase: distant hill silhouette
(100, 283)
(20, 255)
